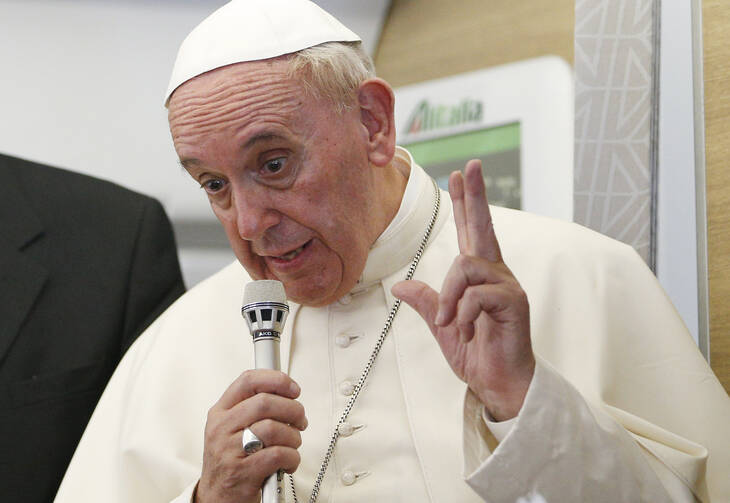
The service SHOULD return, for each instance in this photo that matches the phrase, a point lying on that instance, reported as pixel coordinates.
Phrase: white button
(346, 429)
(348, 478)
(342, 340)
(345, 299)
(347, 388)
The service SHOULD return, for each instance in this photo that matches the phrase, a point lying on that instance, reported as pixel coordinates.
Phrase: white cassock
(622, 406)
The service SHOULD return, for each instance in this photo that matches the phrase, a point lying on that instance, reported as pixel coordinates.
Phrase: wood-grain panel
(428, 39)
(716, 41)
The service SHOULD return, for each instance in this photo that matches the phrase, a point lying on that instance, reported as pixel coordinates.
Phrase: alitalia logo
(428, 117)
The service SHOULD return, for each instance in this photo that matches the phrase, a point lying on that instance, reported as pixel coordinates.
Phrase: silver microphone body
(266, 353)
(265, 311)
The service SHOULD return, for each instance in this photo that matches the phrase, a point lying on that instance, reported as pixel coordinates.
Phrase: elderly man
(275, 111)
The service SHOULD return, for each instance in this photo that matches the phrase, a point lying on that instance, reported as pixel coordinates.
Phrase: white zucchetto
(252, 30)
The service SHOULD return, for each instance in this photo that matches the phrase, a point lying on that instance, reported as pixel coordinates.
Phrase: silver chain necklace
(371, 360)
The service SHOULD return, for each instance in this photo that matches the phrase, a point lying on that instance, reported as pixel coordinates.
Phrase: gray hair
(333, 70)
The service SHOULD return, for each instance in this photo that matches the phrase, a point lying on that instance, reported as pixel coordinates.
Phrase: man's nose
(254, 214)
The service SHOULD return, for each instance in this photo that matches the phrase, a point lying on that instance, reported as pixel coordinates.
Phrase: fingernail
(295, 389)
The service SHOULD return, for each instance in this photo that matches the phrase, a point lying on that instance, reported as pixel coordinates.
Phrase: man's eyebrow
(188, 163)
(262, 137)
(257, 138)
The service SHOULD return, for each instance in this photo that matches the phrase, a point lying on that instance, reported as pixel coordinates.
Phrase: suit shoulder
(56, 193)
(46, 185)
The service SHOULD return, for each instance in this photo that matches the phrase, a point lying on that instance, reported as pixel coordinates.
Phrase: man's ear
(375, 99)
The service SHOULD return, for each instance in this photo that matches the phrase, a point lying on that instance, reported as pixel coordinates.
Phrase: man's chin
(310, 289)
(307, 293)
(309, 297)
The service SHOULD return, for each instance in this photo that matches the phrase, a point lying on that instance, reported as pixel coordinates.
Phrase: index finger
(253, 382)
(482, 239)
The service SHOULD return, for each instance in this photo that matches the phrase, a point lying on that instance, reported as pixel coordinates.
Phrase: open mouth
(289, 256)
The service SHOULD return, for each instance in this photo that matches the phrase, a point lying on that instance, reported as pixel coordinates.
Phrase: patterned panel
(614, 123)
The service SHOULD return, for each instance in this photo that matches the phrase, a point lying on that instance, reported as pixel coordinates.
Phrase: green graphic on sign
(497, 147)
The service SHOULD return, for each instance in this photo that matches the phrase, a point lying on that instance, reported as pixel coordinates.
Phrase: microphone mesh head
(265, 290)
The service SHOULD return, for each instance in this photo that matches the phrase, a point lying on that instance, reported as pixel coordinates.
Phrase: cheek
(228, 221)
(349, 250)
(242, 248)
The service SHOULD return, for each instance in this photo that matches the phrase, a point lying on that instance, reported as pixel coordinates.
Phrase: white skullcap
(251, 30)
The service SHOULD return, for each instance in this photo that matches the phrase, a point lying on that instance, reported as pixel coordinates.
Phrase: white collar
(397, 244)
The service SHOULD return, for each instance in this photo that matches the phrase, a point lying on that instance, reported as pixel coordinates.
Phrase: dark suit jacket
(85, 266)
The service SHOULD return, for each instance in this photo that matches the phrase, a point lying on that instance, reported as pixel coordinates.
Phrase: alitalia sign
(430, 117)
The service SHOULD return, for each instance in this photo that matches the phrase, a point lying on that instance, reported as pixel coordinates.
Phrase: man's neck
(393, 185)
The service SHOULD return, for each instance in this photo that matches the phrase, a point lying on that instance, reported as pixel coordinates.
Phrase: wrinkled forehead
(235, 96)
(234, 102)
(237, 78)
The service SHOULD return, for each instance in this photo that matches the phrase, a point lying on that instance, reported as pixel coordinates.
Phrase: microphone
(265, 311)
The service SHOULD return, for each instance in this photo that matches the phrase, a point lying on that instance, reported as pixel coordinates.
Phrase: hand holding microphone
(265, 311)
(261, 401)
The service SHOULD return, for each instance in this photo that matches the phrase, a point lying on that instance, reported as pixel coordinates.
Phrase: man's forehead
(236, 98)
(250, 74)
(253, 102)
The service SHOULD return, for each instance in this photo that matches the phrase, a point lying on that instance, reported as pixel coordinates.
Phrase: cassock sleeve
(622, 407)
(560, 449)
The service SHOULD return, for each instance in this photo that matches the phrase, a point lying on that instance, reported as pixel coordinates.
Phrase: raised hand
(262, 400)
(481, 318)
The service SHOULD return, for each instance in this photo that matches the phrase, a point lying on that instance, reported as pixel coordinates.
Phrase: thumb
(420, 297)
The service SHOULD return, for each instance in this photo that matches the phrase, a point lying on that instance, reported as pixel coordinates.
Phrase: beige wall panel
(614, 128)
(716, 34)
(428, 39)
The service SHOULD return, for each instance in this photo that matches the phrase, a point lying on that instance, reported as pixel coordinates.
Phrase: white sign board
(517, 118)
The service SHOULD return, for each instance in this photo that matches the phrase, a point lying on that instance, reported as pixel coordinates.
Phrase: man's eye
(274, 165)
(213, 186)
